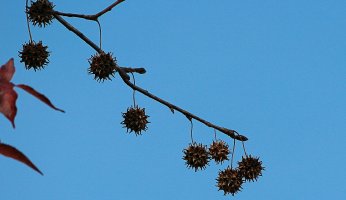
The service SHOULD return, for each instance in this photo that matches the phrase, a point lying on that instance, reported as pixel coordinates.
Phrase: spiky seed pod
(196, 156)
(250, 168)
(135, 120)
(34, 55)
(40, 12)
(219, 151)
(102, 66)
(230, 181)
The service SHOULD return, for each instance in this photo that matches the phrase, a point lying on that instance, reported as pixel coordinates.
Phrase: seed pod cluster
(103, 66)
(40, 12)
(196, 156)
(34, 55)
(249, 169)
(135, 120)
(229, 180)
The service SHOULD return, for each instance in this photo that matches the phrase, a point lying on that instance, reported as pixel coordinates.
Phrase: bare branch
(231, 133)
(132, 70)
(109, 8)
(123, 74)
(89, 17)
(77, 32)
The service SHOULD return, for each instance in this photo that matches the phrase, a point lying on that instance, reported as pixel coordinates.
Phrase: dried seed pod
(196, 156)
(250, 168)
(40, 12)
(102, 66)
(230, 181)
(34, 55)
(219, 151)
(135, 120)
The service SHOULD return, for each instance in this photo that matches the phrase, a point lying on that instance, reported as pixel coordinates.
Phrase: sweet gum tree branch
(231, 133)
(90, 17)
(123, 71)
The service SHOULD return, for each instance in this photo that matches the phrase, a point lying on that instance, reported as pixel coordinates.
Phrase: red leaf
(8, 96)
(38, 95)
(8, 99)
(14, 153)
(7, 71)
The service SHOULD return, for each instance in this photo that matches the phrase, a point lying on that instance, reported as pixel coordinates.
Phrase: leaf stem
(191, 132)
(232, 154)
(27, 20)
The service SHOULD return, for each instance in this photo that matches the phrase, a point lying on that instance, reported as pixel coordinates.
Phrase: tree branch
(77, 32)
(90, 17)
(231, 133)
(93, 45)
(123, 74)
(109, 8)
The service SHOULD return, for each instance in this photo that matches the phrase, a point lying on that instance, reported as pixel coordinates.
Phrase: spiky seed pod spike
(135, 120)
(103, 66)
(196, 156)
(219, 151)
(34, 55)
(250, 168)
(230, 181)
(40, 12)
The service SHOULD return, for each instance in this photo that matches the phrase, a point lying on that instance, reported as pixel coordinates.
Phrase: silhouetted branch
(77, 32)
(90, 17)
(231, 133)
(122, 71)
(131, 70)
(93, 45)
(109, 8)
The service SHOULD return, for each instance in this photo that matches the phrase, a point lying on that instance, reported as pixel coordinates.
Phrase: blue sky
(272, 70)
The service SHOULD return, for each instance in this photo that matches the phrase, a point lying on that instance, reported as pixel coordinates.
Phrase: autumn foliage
(8, 98)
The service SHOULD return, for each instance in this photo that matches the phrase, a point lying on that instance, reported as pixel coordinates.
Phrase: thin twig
(87, 17)
(191, 132)
(100, 33)
(134, 91)
(90, 17)
(78, 33)
(134, 70)
(233, 150)
(109, 8)
(123, 74)
(27, 20)
(244, 148)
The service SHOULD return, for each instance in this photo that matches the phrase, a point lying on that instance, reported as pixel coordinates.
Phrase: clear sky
(272, 70)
